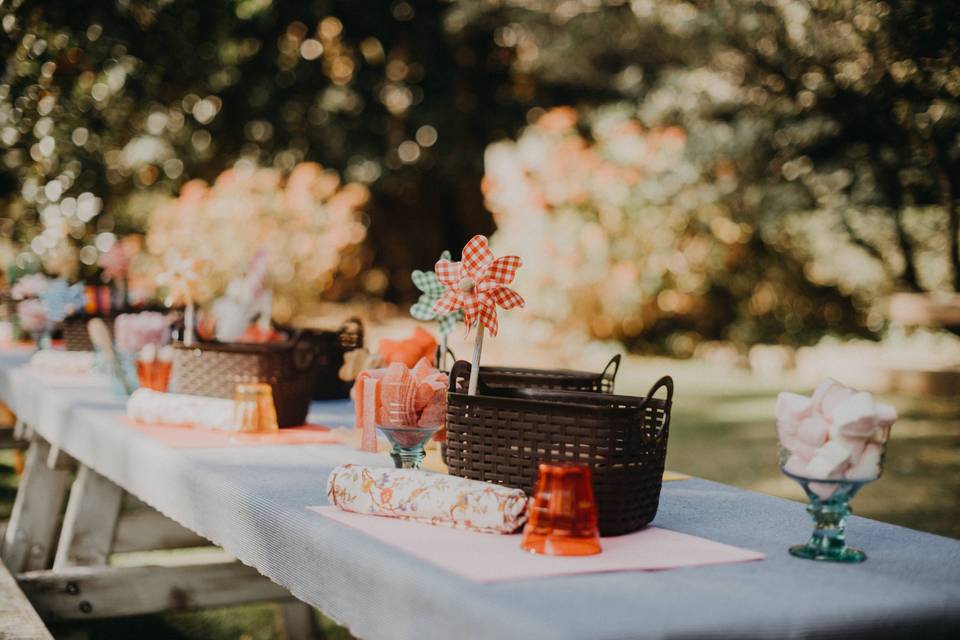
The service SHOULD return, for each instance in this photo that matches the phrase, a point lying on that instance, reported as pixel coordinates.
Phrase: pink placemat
(185, 437)
(486, 557)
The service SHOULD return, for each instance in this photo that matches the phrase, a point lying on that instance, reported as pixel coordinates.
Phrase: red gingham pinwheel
(477, 284)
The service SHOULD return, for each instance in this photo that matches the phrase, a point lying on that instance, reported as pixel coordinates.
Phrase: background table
(252, 502)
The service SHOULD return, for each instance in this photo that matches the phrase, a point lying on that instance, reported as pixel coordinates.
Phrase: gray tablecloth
(251, 501)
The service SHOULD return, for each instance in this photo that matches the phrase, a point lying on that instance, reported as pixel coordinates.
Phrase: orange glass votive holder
(563, 512)
(254, 411)
(154, 375)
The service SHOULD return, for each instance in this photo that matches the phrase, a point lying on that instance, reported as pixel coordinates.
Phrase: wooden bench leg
(300, 622)
(93, 509)
(34, 522)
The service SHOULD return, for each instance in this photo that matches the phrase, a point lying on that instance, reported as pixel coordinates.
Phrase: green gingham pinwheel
(431, 291)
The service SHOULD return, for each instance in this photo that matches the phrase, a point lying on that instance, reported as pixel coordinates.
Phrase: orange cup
(154, 375)
(254, 411)
(563, 512)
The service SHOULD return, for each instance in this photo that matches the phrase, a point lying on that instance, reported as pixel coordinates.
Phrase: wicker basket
(502, 437)
(561, 379)
(329, 347)
(74, 331)
(213, 369)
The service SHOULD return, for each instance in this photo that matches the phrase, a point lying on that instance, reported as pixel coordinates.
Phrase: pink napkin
(185, 437)
(485, 557)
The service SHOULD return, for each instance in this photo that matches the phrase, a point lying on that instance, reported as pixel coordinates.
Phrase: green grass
(722, 429)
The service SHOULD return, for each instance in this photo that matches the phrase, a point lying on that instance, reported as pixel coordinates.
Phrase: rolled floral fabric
(64, 362)
(155, 407)
(432, 498)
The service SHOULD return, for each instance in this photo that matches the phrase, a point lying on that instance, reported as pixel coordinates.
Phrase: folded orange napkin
(398, 396)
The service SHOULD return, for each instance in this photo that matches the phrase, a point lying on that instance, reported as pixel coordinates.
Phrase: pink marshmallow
(793, 444)
(823, 490)
(828, 461)
(792, 407)
(828, 395)
(855, 417)
(886, 414)
(813, 431)
(796, 465)
(868, 466)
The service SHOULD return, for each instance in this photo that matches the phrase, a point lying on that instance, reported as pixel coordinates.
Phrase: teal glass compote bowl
(829, 505)
(408, 444)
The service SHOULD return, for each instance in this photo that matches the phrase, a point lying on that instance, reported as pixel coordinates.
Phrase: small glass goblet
(408, 443)
(829, 506)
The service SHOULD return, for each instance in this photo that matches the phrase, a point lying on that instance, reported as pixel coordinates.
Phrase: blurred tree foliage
(838, 119)
(100, 105)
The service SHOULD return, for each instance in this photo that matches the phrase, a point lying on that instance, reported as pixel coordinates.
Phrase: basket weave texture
(504, 435)
(567, 379)
(329, 347)
(74, 330)
(214, 370)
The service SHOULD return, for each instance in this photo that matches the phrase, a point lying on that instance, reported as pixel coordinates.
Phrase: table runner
(488, 557)
(252, 500)
(178, 436)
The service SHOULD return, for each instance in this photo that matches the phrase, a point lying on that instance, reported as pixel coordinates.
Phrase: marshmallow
(813, 431)
(839, 430)
(828, 461)
(886, 415)
(793, 407)
(796, 465)
(823, 490)
(856, 417)
(868, 465)
(828, 395)
(795, 445)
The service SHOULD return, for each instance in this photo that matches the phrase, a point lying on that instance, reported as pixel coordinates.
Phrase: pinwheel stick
(188, 323)
(475, 363)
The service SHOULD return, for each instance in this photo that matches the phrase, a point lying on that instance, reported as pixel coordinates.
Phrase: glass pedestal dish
(408, 444)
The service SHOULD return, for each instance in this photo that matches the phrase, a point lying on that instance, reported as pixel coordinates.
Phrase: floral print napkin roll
(432, 498)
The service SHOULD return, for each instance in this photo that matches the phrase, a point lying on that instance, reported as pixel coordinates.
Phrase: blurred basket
(560, 379)
(214, 369)
(74, 330)
(329, 347)
(503, 435)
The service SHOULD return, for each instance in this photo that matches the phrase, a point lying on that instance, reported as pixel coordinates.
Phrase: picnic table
(252, 502)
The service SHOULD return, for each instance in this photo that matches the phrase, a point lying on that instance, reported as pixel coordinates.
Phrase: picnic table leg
(90, 521)
(300, 622)
(30, 536)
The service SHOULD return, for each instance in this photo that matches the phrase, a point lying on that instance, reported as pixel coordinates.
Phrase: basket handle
(437, 357)
(607, 374)
(303, 351)
(459, 371)
(345, 330)
(666, 382)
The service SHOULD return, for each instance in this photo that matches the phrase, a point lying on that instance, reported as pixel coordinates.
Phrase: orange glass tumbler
(563, 512)
(254, 411)
(154, 374)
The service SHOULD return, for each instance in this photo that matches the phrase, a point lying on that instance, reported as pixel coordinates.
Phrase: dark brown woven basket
(74, 331)
(213, 369)
(329, 347)
(566, 379)
(503, 436)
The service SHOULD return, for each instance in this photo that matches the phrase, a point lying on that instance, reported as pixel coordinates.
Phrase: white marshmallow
(796, 465)
(855, 417)
(828, 460)
(868, 466)
(814, 431)
(792, 407)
